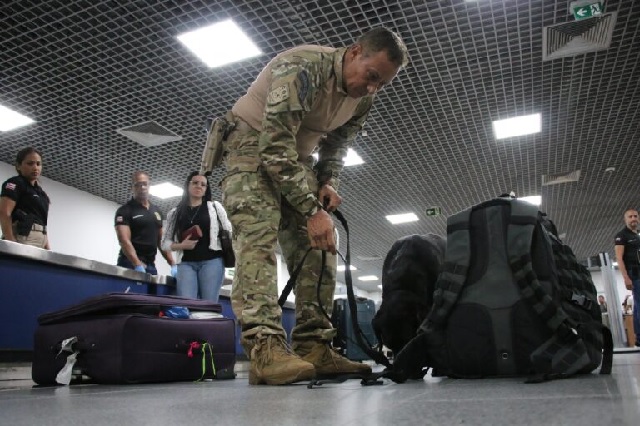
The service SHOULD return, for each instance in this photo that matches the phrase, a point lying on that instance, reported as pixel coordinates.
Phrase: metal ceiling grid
(83, 69)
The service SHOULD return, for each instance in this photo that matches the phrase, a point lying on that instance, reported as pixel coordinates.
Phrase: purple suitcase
(121, 339)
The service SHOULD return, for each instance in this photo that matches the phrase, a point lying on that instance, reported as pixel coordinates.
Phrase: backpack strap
(454, 271)
(564, 352)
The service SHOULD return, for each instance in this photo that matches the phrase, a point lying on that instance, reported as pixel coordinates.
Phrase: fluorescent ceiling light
(352, 158)
(165, 190)
(219, 44)
(368, 278)
(402, 218)
(536, 200)
(343, 267)
(517, 126)
(9, 119)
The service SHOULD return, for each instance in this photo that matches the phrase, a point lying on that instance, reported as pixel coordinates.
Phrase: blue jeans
(203, 279)
(126, 263)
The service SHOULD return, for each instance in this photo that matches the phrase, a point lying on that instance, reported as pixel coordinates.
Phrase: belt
(39, 228)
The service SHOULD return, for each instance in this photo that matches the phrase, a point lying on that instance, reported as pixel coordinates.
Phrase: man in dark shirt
(628, 257)
(139, 228)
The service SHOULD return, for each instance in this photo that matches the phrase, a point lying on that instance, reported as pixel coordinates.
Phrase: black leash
(361, 339)
(378, 357)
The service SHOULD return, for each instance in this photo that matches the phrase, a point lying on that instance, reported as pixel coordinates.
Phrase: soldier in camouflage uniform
(307, 99)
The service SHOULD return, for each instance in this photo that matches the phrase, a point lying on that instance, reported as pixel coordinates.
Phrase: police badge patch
(278, 95)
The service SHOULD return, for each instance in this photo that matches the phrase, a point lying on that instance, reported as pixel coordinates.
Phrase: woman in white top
(199, 258)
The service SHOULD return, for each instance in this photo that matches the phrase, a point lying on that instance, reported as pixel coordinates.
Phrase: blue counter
(34, 281)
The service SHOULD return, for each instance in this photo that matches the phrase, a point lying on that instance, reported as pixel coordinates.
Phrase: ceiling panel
(83, 69)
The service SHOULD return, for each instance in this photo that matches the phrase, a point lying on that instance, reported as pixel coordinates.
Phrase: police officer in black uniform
(24, 206)
(139, 229)
(628, 256)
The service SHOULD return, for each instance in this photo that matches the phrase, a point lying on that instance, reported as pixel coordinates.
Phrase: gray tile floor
(586, 400)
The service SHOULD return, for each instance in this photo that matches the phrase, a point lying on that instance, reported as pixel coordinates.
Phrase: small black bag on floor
(121, 338)
(345, 335)
(512, 300)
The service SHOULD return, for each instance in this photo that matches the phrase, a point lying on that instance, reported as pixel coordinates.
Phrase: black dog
(409, 275)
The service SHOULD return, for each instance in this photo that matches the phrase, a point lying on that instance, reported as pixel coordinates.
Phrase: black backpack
(512, 300)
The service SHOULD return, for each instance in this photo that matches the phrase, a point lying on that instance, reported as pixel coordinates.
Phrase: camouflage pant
(261, 218)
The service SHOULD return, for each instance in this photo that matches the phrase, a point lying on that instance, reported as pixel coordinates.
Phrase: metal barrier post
(614, 307)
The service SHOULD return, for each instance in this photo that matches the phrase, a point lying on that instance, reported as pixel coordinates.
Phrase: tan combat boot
(273, 363)
(326, 360)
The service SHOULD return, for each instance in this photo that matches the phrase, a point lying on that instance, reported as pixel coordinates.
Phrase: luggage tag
(64, 375)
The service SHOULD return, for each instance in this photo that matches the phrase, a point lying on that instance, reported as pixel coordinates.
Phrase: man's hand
(627, 282)
(320, 230)
(329, 197)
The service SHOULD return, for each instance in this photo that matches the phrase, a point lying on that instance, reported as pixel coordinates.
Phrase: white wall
(80, 224)
(596, 276)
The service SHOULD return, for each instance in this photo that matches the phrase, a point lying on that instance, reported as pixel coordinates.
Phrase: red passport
(194, 232)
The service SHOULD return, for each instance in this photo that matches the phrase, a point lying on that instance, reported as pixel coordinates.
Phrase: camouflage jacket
(299, 105)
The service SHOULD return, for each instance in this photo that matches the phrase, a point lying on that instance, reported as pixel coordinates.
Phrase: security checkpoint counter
(34, 281)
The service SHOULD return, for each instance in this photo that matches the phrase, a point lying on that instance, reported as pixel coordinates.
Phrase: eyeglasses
(139, 184)
(197, 183)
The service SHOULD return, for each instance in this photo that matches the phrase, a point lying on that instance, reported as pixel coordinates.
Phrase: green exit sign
(587, 11)
(434, 211)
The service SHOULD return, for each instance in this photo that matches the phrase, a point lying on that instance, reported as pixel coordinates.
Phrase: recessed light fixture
(10, 119)
(165, 190)
(536, 200)
(368, 278)
(343, 267)
(352, 158)
(220, 44)
(402, 218)
(517, 126)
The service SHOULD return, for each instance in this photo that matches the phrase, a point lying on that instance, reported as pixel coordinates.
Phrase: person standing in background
(24, 206)
(199, 254)
(628, 256)
(603, 303)
(138, 226)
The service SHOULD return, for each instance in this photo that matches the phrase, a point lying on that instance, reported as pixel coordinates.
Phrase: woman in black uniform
(24, 206)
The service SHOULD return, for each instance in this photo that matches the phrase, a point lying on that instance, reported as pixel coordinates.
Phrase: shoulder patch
(158, 216)
(278, 94)
(10, 186)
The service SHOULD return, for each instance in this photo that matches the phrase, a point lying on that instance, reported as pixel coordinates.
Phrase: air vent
(562, 178)
(578, 37)
(149, 133)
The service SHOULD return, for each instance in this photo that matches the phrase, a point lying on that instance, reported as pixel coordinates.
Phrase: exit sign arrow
(585, 11)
